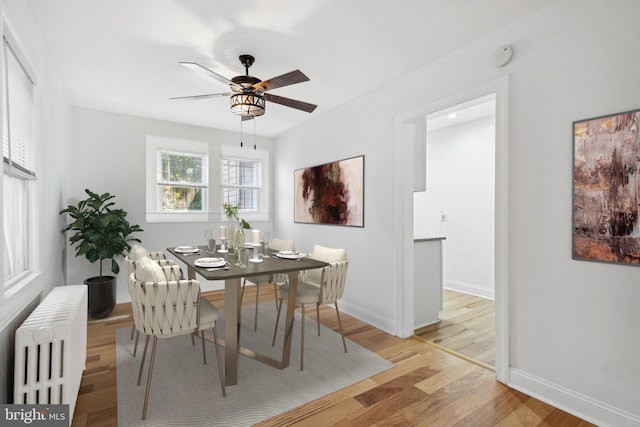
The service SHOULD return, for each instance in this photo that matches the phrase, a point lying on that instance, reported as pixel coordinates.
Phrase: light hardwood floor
(467, 327)
(428, 387)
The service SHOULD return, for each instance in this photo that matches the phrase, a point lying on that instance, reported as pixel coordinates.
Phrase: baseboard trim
(574, 403)
(470, 288)
(367, 317)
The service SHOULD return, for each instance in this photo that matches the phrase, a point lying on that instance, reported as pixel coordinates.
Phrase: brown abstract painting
(332, 193)
(606, 160)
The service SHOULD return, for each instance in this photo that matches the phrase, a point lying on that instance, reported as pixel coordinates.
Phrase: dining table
(232, 299)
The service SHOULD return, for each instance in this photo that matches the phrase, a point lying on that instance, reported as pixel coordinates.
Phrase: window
(240, 183)
(188, 181)
(177, 180)
(182, 183)
(244, 178)
(18, 148)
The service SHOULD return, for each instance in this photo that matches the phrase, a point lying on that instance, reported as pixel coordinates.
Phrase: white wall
(51, 167)
(573, 325)
(460, 181)
(108, 155)
(339, 134)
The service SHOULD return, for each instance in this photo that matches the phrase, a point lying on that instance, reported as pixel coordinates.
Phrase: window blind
(18, 120)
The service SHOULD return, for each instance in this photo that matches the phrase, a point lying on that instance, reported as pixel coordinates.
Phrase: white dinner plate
(210, 262)
(186, 249)
(289, 255)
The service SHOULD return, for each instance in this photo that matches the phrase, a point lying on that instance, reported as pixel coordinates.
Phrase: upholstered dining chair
(318, 286)
(166, 305)
(277, 279)
(137, 252)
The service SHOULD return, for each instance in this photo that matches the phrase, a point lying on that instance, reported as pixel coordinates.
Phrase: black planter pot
(102, 296)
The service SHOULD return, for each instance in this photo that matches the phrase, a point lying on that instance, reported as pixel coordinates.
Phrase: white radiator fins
(50, 349)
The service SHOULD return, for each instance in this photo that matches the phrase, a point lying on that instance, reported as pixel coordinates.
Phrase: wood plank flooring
(428, 387)
(467, 328)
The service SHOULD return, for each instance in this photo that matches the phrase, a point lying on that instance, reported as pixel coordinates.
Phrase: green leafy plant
(100, 232)
(232, 213)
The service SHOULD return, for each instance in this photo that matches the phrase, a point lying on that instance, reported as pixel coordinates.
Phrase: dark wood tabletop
(270, 265)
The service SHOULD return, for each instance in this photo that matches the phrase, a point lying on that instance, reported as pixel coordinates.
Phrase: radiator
(50, 349)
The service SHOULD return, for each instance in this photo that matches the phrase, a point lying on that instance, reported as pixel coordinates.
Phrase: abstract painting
(332, 193)
(606, 154)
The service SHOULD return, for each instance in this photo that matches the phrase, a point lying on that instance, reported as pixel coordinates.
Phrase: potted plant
(100, 232)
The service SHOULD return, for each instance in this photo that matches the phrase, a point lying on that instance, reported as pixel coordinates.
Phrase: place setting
(188, 250)
(211, 263)
(291, 255)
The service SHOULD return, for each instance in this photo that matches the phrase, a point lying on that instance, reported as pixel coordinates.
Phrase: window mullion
(181, 184)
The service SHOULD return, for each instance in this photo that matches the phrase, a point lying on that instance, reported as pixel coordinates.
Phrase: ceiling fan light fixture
(247, 104)
(248, 94)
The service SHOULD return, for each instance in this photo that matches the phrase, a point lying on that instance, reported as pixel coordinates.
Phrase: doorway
(407, 133)
(459, 205)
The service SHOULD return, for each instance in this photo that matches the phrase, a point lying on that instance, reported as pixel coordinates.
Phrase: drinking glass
(243, 257)
(265, 238)
(208, 237)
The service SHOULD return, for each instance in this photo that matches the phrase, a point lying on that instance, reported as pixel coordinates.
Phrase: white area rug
(184, 392)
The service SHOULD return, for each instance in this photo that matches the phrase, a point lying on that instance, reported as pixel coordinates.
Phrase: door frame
(406, 132)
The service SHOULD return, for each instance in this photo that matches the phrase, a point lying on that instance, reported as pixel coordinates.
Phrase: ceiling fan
(248, 94)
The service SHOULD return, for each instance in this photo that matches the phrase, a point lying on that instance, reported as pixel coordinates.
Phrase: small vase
(236, 238)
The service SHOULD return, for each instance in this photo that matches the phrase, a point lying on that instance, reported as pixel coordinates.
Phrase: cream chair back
(281, 245)
(322, 253)
(165, 308)
(137, 252)
(334, 277)
(136, 308)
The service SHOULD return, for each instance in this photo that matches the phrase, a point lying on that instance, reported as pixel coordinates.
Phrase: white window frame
(155, 145)
(231, 152)
(24, 277)
(161, 182)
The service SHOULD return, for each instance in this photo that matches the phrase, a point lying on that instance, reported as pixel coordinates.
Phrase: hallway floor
(467, 328)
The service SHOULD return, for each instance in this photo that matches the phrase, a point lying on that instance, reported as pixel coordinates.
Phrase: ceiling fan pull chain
(254, 133)
(240, 132)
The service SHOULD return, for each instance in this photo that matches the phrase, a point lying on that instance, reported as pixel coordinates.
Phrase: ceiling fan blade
(207, 72)
(287, 79)
(288, 102)
(192, 97)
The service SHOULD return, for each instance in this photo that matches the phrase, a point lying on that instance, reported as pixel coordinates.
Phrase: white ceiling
(122, 55)
(474, 109)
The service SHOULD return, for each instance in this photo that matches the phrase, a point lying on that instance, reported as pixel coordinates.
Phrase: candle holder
(256, 254)
(223, 246)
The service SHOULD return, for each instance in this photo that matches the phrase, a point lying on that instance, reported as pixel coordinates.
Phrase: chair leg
(133, 330)
(204, 352)
(255, 321)
(146, 393)
(302, 340)
(144, 356)
(220, 370)
(275, 293)
(318, 316)
(135, 346)
(193, 341)
(244, 282)
(344, 343)
(275, 331)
